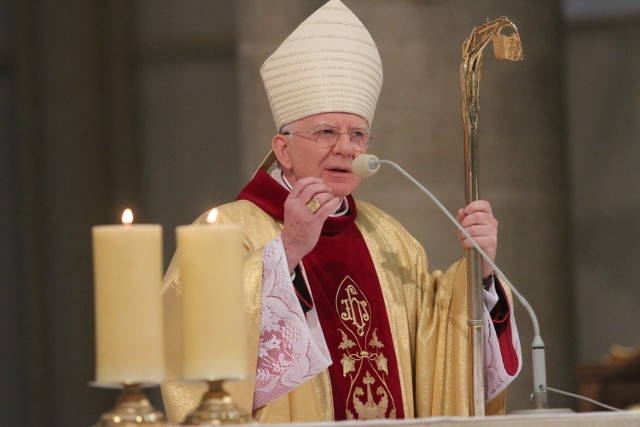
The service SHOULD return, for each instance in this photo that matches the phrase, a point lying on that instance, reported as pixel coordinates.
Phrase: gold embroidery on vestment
(363, 360)
(354, 310)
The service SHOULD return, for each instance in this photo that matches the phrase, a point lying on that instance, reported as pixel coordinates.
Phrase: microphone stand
(366, 165)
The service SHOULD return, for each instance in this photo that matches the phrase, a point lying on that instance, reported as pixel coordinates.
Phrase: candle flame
(127, 216)
(213, 214)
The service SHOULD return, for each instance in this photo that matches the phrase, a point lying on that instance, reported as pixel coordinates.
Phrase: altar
(559, 419)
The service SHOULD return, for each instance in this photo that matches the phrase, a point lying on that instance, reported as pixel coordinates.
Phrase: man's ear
(280, 147)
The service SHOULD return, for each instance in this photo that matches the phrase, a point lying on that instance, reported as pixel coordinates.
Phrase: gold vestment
(427, 316)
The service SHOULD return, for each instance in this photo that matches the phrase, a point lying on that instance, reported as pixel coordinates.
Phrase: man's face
(301, 156)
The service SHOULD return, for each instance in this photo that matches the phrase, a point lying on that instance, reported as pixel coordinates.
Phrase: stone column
(602, 86)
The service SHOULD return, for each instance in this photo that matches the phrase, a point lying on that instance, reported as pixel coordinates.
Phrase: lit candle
(211, 262)
(128, 306)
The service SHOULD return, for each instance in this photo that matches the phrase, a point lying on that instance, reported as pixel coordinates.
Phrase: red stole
(364, 375)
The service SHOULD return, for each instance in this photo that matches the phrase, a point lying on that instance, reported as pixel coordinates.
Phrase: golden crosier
(504, 47)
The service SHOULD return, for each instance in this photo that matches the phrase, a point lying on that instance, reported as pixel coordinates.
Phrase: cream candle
(213, 338)
(128, 307)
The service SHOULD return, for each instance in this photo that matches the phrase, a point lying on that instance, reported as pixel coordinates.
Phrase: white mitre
(329, 63)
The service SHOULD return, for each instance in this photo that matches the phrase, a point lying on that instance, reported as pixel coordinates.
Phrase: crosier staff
(504, 47)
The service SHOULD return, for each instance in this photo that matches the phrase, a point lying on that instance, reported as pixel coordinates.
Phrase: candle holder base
(132, 409)
(217, 408)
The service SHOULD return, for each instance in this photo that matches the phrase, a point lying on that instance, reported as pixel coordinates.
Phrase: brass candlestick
(132, 409)
(217, 408)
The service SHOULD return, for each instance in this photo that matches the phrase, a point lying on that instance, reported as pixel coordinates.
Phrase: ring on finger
(313, 205)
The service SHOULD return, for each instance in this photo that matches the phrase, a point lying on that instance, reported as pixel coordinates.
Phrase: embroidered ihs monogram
(363, 358)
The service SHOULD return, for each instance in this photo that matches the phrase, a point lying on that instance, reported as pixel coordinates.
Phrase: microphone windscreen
(365, 165)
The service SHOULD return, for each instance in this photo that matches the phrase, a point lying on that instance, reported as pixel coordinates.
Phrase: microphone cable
(365, 165)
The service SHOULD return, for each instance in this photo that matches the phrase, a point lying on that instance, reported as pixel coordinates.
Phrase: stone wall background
(158, 105)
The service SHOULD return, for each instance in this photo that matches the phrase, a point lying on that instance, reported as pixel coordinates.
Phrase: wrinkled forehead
(334, 120)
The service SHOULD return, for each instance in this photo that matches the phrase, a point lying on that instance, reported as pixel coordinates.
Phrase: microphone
(365, 165)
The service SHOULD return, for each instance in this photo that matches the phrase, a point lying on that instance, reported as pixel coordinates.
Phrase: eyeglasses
(329, 137)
